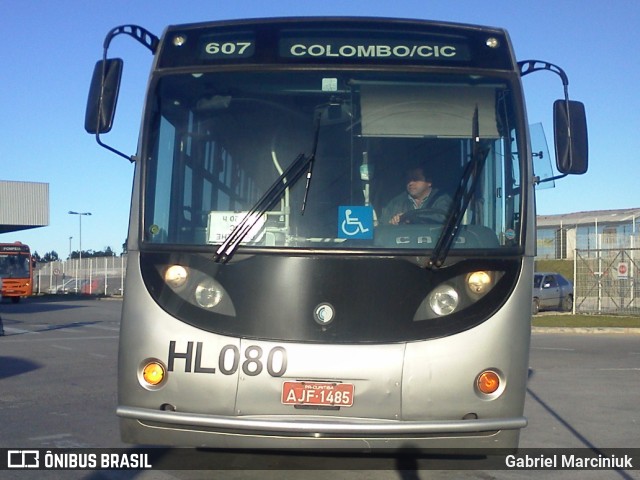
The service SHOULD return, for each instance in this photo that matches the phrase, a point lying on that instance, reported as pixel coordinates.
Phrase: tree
(51, 256)
(107, 252)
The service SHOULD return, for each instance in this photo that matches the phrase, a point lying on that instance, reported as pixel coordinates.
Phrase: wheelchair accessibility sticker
(355, 222)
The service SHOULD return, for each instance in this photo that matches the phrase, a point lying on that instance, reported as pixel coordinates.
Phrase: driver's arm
(395, 220)
(393, 210)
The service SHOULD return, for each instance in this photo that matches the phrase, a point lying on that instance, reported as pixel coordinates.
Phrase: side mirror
(571, 142)
(103, 96)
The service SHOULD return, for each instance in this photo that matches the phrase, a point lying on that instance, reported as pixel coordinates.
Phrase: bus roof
(353, 20)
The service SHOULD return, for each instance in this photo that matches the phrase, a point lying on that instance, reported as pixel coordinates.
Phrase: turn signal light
(153, 373)
(488, 382)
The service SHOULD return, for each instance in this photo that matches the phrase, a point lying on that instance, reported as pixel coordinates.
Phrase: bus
(16, 271)
(269, 302)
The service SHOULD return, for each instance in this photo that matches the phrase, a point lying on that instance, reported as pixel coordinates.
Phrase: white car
(69, 286)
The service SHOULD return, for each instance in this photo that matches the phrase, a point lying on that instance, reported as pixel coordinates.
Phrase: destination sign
(359, 49)
(242, 45)
(14, 249)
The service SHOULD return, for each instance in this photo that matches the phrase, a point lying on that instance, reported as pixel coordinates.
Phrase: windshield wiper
(464, 192)
(312, 161)
(289, 177)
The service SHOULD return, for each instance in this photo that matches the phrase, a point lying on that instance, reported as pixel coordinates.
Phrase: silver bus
(332, 234)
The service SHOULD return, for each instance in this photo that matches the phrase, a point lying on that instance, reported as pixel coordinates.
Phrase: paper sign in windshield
(221, 224)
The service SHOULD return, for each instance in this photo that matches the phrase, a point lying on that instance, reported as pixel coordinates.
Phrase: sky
(50, 47)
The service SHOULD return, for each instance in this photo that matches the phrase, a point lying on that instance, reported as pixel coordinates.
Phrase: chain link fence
(606, 281)
(89, 276)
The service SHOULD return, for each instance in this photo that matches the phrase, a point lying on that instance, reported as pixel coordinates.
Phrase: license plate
(318, 394)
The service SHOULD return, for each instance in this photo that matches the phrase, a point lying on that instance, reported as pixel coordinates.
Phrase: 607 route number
(253, 361)
(231, 49)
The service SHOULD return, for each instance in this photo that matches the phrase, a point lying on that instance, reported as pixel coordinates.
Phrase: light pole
(80, 214)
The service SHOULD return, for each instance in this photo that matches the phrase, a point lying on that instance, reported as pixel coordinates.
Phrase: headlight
(479, 283)
(208, 293)
(198, 288)
(444, 300)
(458, 294)
(176, 276)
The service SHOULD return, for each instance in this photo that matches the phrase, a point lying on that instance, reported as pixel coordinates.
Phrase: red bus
(16, 270)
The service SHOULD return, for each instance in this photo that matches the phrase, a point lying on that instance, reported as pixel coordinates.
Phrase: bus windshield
(14, 265)
(331, 160)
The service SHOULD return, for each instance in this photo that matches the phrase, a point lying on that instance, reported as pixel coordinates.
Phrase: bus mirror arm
(569, 124)
(105, 85)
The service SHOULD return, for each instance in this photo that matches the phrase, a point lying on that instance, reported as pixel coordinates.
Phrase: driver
(420, 195)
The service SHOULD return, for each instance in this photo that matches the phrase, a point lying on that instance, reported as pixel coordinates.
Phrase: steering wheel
(423, 215)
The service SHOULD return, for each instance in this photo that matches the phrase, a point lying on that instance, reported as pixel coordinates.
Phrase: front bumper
(296, 432)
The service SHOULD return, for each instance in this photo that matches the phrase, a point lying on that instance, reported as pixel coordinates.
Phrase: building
(560, 235)
(23, 205)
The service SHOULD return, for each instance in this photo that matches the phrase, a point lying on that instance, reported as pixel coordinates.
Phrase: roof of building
(625, 215)
(23, 205)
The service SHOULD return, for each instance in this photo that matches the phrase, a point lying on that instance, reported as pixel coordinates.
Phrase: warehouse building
(23, 205)
(560, 235)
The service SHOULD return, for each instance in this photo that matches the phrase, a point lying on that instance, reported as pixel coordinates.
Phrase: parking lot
(58, 390)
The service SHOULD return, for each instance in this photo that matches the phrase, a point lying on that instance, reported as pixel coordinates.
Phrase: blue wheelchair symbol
(355, 222)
